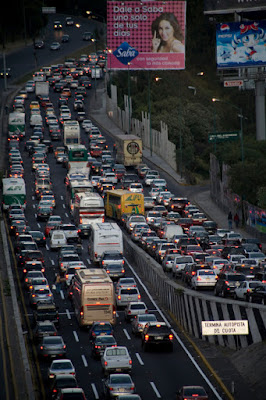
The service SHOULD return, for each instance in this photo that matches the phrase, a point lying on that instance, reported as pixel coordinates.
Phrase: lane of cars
(50, 307)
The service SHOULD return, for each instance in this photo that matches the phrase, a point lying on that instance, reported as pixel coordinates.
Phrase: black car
(157, 334)
(46, 312)
(84, 230)
(39, 44)
(258, 295)
(100, 343)
(60, 382)
(227, 282)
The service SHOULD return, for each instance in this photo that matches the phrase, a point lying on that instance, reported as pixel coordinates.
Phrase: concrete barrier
(190, 308)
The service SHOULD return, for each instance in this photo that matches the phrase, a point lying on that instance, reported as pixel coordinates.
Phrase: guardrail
(190, 308)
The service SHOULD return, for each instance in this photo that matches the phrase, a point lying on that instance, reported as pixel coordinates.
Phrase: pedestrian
(58, 283)
(236, 219)
(230, 220)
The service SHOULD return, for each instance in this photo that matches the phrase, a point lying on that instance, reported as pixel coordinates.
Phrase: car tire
(235, 297)
(223, 293)
(216, 292)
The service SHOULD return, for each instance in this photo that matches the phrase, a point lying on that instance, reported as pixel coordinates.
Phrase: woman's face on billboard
(166, 31)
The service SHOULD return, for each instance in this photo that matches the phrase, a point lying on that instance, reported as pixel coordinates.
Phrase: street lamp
(240, 115)
(92, 13)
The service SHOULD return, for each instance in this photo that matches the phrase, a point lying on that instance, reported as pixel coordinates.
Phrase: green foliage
(262, 197)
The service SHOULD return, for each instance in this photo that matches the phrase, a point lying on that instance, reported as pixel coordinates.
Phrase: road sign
(223, 136)
(48, 10)
(234, 83)
(234, 327)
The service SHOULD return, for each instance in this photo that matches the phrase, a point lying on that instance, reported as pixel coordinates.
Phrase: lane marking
(88, 261)
(47, 247)
(66, 214)
(62, 294)
(127, 334)
(68, 313)
(139, 359)
(155, 390)
(64, 206)
(96, 395)
(76, 336)
(84, 360)
(62, 197)
(39, 225)
(33, 197)
(52, 261)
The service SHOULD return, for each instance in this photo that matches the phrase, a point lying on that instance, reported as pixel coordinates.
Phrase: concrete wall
(157, 140)
(190, 307)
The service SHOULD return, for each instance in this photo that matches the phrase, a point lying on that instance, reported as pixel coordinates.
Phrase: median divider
(190, 308)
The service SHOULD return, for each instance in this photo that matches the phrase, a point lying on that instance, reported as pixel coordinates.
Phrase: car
(111, 257)
(243, 291)
(100, 328)
(38, 237)
(204, 278)
(30, 275)
(70, 231)
(258, 295)
(117, 383)
(60, 382)
(88, 36)
(140, 321)
(157, 334)
(115, 271)
(33, 265)
(126, 295)
(65, 38)
(71, 393)
(227, 282)
(40, 294)
(39, 44)
(44, 329)
(133, 220)
(57, 240)
(135, 187)
(60, 367)
(57, 25)
(55, 46)
(192, 393)
(116, 359)
(100, 343)
(52, 346)
(71, 269)
(44, 212)
(37, 281)
(135, 308)
(46, 311)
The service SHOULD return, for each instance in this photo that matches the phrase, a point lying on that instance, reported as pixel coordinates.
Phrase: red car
(192, 393)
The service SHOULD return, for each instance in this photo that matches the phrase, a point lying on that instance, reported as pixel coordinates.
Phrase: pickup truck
(116, 359)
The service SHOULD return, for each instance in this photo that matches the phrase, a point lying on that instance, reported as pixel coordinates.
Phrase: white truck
(41, 89)
(93, 296)
(88, 208)
(14, 192)
(96, 72)
(71, 132)
(104, 236)
(16, 124)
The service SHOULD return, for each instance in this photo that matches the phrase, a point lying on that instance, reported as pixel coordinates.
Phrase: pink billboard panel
(146, 35)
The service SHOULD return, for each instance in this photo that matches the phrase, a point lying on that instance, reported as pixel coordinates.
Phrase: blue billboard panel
(241, 44)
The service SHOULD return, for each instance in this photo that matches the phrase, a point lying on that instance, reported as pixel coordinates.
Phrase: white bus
(93, 296)
(88, 208)
(104, 236)
(14, 192)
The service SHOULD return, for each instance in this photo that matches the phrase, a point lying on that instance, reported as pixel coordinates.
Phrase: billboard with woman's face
(146, 35)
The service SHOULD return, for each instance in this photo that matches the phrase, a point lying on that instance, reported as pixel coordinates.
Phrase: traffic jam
(70, 194)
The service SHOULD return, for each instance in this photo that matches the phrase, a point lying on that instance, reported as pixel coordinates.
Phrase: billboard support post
(149, 106)
(128, 94)
(260, 109)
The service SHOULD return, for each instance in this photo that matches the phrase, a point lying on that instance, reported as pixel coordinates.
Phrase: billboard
(241, 44)
(146, 35)
(230, 6)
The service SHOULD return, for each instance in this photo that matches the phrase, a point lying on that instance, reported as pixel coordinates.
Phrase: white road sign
(234, 327)
(233, 83)
(48, 10)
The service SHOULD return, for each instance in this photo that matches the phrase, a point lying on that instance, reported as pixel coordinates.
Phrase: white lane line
(62, 197)
(68, 313)
(84, 360)
(176, 335)
(33, 197)
(64, 206)
(88, 261)
(52, 261)
(47, 247)
(116, 314)
(62, 295)
(139, 359)
(76, 336)
(155, 390)
(66, 214)
(35, 215)
(127, 334)
(39, 225)
(96, 395)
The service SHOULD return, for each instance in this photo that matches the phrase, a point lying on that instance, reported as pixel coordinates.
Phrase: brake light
(146, 337)
(119, 297)
(130, 362)
(139, 296)
(66, 276)
(81, 313)
(105, 363)
(199, 278)
(193, 273)
(171, 337)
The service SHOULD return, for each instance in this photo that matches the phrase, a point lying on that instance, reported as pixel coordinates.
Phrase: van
(58, 239)
(35, 119)
(46, 312)
(106, 236)
(42, 184)
(171, 230)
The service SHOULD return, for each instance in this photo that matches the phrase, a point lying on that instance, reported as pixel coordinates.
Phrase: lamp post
(128, 95)
(193, 88)
(94, 41)
(149, 106)
(240, 115)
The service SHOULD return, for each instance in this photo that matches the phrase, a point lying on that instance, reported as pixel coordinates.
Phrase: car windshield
(61, 365)
(52, 340)
(147, 318)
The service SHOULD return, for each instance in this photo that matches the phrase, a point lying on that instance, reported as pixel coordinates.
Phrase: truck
(71, 132)
(14, 192)
(104, 237)
(16, 124)
(41, 89)
(96, 72)
(88, 208)
(128, 150)
(93, 296)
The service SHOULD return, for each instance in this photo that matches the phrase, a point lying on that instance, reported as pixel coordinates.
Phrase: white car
(58, 239)
(244, 289)
(116, 359)
(133, 220)
(135, 187)
(180, 263)
(140, 321)
(135, 308)
(61, 367)
(204, 278)
(153, 193)
(219, 263)
(127, 295)
(55, 46)
(235, 258)
(110, 177)
(70, 231)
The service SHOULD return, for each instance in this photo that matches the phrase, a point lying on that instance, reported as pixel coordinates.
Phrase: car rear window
(161, 329)
(129, 291)
(116, 352)
(137, 306)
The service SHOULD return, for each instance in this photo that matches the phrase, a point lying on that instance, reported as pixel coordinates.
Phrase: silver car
(140, 321)
(42, 294)
(61, 367)
(52, 346)
(117, 384)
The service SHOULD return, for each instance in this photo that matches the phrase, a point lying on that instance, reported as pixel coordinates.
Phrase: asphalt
(224, 365)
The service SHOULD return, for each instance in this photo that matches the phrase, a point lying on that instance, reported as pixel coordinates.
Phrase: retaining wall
(190, 308)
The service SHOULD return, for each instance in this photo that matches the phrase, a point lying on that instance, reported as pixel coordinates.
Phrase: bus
(77, 157)
(77, 186)
(118, 202)
(14, 192)
(93, 296)
(71, 132)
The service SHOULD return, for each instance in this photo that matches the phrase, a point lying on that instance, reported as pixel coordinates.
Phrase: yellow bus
(118, 202)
